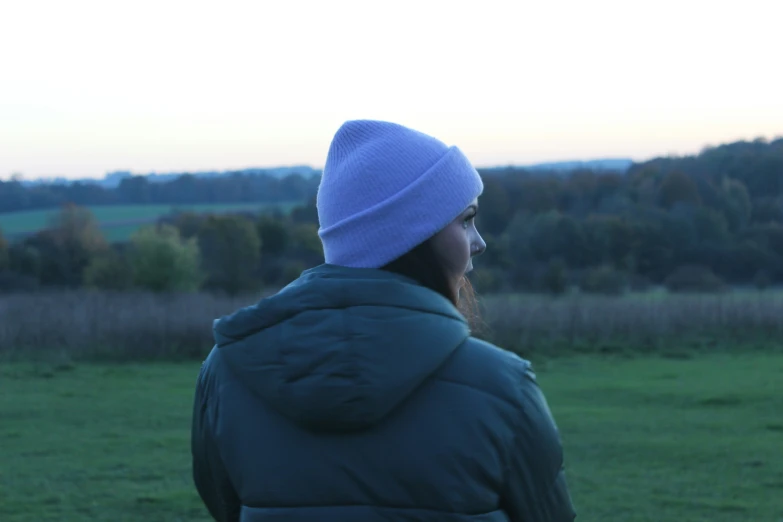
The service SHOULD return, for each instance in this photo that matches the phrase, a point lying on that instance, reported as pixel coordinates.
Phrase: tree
(693, 278)
(4, 256)
(162, 261)
(604, 279)
(737, 206)
(305, 245)
(273, 235)
(766, 210)
(307, 213)
(230, 252)
(711, 226)
(109, 271)
(25, 259)
(609, 240)
(556, 235)
(652, 250)
(493, 216)
(554, 279)
(678, 188)
(188, 223)
(78, 225)
(68, 245)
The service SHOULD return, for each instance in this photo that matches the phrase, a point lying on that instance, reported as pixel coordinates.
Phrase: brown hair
(423, 265)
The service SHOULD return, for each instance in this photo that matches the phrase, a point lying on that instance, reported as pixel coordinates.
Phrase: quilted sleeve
(536, 489)
(209, 474)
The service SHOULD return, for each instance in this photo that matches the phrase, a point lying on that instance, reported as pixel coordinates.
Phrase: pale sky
(88, 87)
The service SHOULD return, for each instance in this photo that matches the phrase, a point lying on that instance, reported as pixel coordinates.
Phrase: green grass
(656, 440)
(96, 443)
(119, 221)
(647, 439)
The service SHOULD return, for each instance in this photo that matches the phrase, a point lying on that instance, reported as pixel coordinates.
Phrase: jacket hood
(339, 348)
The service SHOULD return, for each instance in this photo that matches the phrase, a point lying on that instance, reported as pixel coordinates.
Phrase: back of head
(342, 345)
(386, 189)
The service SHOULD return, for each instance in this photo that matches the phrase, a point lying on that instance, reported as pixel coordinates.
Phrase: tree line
(692, 223)
(238, 187)
(183, 252)
(701, 222)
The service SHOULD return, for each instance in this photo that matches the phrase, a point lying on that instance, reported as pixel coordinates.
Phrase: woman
(357, 393)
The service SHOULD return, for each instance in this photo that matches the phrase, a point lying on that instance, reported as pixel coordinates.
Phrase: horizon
(563, 159)
(172, 86)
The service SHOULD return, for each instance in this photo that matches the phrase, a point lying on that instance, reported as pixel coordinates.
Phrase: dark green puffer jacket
(356, 395)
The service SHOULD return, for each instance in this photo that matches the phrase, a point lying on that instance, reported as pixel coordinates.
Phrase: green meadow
(118, 222)
(647, 439)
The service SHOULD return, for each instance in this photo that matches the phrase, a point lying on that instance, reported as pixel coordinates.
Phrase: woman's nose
(479, 246)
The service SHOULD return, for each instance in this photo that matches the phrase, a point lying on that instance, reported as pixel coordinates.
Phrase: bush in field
(694, 278)
(604, 279)
(637, 283)
(13, 282)
(291, 271)
(162, 261)
(188, 223)
(230, 252)
(4, 256)
(273, 234)
(305, 245)
(487, 280)
(109, 271)
(24, 260)
(555, 280)
(762, 280)
(59, 254)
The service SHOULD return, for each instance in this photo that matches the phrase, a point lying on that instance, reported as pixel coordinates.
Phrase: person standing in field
(357, 393)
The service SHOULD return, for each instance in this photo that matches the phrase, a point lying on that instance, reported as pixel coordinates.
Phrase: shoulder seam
(479, 390)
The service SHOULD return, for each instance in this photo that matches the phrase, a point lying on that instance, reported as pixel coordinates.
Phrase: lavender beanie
(386, 188)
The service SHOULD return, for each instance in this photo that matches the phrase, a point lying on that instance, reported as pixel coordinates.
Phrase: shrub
(638, 283)
(162, 261)
(554, 279)
(693, 278)
(230, 251)
(291, 271)
(25, 260)
(762, 280)
(604, 279)
(4, 255)
(13, 282)
(109, 271)
(487, 280)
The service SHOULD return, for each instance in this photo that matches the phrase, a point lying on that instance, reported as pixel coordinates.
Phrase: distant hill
(757, 164)
(620, 165)
(187, 189)
(610, 164)
(113, 179)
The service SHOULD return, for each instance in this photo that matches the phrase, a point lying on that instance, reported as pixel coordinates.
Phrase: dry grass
(142, 326)
(103, 325)
(637, 322)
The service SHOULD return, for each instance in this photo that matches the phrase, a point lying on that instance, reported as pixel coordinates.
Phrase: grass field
(647, 439)
(119, 221)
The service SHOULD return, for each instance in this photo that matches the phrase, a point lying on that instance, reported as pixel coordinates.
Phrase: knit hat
(385, 189)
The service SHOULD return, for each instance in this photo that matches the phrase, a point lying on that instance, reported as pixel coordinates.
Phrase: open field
(647, 439)
(118, 222)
